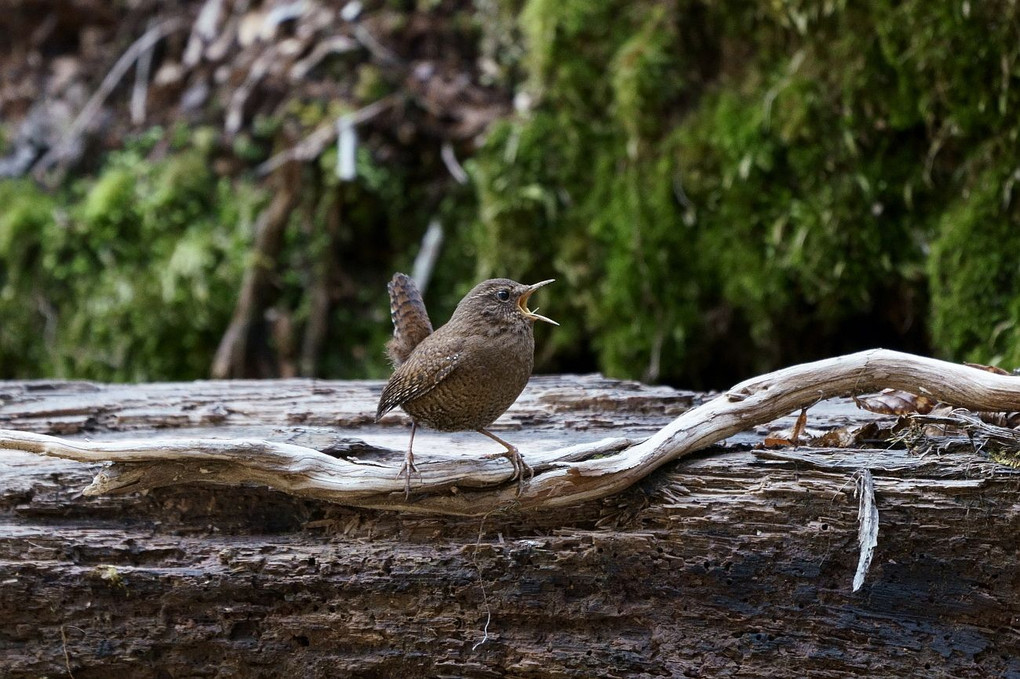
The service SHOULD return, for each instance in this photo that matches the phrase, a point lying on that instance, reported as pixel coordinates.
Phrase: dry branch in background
(245, 340)
(72, 137)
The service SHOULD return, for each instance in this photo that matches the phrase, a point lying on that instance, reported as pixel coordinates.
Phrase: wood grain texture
(735, 561)
(570, 474)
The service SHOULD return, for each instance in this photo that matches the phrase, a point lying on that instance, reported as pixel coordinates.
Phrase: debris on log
(735, 560)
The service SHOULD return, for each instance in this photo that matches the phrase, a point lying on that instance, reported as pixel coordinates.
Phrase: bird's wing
(411, 322)
(424, 369)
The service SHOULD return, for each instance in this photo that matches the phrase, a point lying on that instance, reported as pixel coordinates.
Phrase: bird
(464, 375)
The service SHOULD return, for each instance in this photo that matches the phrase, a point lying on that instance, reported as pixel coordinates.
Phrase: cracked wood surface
(732, 562)
(565, 475)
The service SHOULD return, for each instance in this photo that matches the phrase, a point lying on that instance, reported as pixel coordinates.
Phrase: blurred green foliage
(719, 188)
(735, 186)
(131, 275)
(975, 270)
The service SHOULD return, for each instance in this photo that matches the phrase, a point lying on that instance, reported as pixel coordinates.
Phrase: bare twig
(140, 92)
(425, 262)
(95, 103)
(867, 534)
(339, 44)
(235, 350)
(973, 425)
(67, 657)
(235, 109)
(378, 50)
(481, 583)
(311, 146)
(452, 164)
(347, 149)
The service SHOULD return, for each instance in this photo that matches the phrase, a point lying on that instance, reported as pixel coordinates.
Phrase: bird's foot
(517, 461)
(405, 471)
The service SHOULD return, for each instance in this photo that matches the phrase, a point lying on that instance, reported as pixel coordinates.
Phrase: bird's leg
(408, 465)
(520, 466)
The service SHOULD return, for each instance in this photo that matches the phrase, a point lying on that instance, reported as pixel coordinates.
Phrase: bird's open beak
(523, 303)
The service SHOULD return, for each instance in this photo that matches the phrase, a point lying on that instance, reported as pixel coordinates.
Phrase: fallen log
(616, 559)
(566, 475)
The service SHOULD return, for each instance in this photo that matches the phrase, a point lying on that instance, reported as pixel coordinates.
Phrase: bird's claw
(520, 466)
(405, 471)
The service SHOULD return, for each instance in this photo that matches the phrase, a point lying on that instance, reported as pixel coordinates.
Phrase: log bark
(736, 561)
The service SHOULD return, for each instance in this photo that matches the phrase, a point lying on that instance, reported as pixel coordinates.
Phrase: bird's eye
(503, 295)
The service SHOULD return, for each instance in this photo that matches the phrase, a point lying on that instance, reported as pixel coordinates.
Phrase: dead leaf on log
(776, 442)
(781, 439)
(845, 437)
(851, 436)
(895, 402)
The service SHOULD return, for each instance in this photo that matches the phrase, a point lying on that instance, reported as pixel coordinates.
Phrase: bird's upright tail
(411, 322)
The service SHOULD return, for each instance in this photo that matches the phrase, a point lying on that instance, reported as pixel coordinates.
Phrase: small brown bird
(466, 374)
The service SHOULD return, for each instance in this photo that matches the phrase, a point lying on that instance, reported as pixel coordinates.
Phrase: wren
(468, 372)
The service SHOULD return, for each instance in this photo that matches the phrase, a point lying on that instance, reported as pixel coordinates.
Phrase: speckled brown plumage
(468, 372)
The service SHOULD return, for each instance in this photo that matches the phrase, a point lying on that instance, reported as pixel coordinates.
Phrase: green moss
(1007, 455)
(791, 216)
(719, 188)
(646, 244)
(646, 74)
(158, 308)
(27, 222)
(761, 177)
(26, 211)
(134, 280)
(109, 205)
(974, 270)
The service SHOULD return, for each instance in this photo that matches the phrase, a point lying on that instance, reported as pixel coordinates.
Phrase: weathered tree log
(564, 476)
(737, 561)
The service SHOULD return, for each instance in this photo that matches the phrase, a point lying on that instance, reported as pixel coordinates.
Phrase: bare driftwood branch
(140, 91)
(564, 476)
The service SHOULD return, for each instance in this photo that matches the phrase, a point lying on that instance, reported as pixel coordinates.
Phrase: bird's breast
(490, 374)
